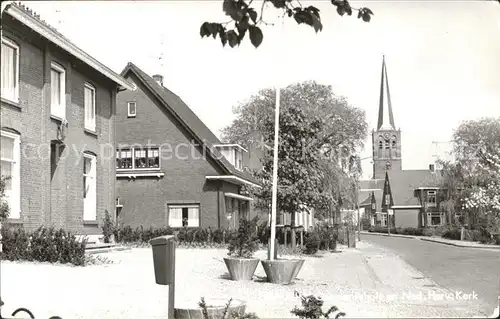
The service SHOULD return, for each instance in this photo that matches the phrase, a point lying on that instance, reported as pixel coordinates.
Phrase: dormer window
(233, 154)
(238, 159)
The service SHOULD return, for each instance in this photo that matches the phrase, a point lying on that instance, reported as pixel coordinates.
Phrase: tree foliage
(342, 132)
(245, 18)
(472, 180)
(299, 174)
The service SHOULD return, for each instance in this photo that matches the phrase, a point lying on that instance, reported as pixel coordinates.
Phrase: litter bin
(164, 259)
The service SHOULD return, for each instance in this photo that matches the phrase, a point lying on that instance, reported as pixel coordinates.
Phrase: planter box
(282, 271)
(241, 268)
(215, 309)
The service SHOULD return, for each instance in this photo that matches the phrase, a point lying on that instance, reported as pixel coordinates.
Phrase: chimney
(431, 167)
(158, 78)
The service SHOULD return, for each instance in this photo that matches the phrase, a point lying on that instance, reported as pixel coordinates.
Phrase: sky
(443, 59)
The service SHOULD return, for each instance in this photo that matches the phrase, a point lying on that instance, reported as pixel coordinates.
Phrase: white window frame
(14, 98)
(383, 219)
(90, 203)
(133, 149)
(433, 194)
(129, 114)
(90, 124)
(434, 214)
(188, 206)
(59, 110)
(14, 196)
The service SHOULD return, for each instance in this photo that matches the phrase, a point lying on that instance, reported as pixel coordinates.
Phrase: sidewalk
(365, 282)
(456, 243)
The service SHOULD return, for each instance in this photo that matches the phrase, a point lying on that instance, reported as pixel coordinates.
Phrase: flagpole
(275, 160)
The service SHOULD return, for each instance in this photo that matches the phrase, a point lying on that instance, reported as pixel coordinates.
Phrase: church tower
(386, 140)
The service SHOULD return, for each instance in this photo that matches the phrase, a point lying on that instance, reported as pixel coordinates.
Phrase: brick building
(171, 169)
(57, 124)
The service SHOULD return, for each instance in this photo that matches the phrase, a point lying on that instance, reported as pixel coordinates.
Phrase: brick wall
(145, 199)
(57, 199)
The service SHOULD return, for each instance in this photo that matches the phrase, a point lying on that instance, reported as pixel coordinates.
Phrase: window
(89, 102)
(387, 145)
(132, 109)
(10, 167)
(184, 215)
(383, 219)
(124, 159)
(89, 188)
(380, 144)
(147, 158)
(435, 218)
(238, 163)
(431, 199)
(138, 158)
(58, 91)
(394, 142)
(10, 70)
(388, 199)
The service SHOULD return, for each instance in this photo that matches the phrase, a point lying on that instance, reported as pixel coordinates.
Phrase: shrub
(312, 242)
(245, 242)
(44, 244)
(452, 233)
(312, 308)
(218, 236)
(263, 233)
(411, 231)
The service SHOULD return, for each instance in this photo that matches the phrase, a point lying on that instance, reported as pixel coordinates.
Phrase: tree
(343, 132)
(472, 181)
(299, 174)
(245, 18)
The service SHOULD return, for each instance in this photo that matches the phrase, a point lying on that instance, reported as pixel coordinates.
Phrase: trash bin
(163, 259)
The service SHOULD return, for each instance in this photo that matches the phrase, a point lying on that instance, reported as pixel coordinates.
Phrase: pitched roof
(32, 20)
(403, 184)
(189, 120)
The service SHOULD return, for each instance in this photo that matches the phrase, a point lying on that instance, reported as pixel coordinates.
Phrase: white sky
(443, 58)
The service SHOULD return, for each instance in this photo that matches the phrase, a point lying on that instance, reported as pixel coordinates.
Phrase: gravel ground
(363, 282)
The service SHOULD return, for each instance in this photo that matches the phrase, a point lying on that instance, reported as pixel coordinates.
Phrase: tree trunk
(292, 223)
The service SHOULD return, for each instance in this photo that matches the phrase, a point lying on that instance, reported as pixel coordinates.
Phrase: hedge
(44, 244)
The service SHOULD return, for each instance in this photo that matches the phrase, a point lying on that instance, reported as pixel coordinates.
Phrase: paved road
(456, 268)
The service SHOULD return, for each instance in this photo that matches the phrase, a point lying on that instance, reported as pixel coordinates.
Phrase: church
(395, 197)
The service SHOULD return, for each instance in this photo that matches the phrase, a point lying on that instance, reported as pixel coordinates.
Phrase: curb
(105, 250)
(427, 239)
(459, 245)
(391, 235)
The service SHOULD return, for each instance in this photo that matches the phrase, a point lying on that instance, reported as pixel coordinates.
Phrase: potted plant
(242, 245)
(284, 270)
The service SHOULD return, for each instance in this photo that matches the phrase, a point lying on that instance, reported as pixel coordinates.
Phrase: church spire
(385, 117)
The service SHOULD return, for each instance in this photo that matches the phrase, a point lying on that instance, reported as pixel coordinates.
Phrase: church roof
(385, 116)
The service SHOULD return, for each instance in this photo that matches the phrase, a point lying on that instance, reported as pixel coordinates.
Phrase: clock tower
(386, 140)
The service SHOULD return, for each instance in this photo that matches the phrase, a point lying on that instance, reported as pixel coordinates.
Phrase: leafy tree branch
(245, 19)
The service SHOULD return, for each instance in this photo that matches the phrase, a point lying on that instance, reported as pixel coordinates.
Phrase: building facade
(171, 169)
(57, 124)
